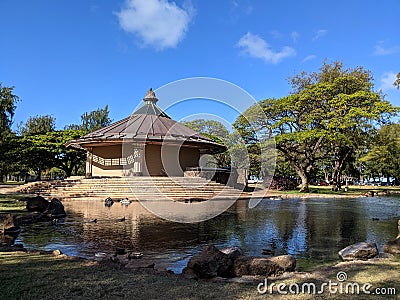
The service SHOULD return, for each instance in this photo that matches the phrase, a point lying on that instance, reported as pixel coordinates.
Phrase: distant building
(147, 143)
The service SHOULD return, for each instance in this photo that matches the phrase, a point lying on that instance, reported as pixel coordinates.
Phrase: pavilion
(147, 143)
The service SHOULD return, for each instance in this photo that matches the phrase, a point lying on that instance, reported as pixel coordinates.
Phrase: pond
(310, 229)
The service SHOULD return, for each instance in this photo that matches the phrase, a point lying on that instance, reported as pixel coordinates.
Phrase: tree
(93, 120)
(383, 158)
(210, 127)
(9, 154)
(217, 132)
(66, 159)
(397, 82)
(38, 125)
(47, 150)
(328, 116)
(7, 109)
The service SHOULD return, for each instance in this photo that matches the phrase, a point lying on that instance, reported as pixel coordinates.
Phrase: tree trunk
(326, 174)
(39, 175)
(305, 184)
(305, 179)
(337, 170)
(68, 172)
(336, 184)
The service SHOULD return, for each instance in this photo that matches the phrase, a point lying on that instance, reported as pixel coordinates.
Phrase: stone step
(135, 187)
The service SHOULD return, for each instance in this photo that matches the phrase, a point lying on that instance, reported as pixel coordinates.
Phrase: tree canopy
(8, 102)
(92, 121)
(397, 82)
(210, 127)
(7, 107)
(38, 125)
(383, 157)
(328, 115)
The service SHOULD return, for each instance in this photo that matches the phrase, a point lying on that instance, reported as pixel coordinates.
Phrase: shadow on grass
(30, 276)
(27, 276)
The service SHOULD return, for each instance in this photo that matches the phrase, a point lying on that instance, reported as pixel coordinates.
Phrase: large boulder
(6, 223)
(361, 251)
(56, 208)
(392, 247)
(210, 263)
(264, 266)
(9, 229)
(233, 252)
(33, 217)
(37, 204)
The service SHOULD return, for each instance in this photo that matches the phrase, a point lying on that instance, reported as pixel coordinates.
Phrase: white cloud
(387, 80)
(380, 50)
(256, 47)
(158, 23)
(276, 34)
(310, 57)
(319, 34)
(295, 36)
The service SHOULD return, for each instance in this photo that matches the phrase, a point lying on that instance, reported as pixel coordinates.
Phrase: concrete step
(135, 187)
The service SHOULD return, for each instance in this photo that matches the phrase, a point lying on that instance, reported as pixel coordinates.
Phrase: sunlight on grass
(11, 203)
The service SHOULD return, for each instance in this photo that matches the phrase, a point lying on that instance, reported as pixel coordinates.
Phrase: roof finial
(150, 96)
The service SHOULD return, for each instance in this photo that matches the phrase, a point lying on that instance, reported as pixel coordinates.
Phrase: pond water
(312, 229)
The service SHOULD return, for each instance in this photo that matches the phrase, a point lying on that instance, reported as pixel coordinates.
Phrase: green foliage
(216, 132)
(38, 125)
(7, 107)
(397, 82)
(383, 158)
(10, 154)
(329, 115)
(93, 120)
(208, 127)
(44, 151)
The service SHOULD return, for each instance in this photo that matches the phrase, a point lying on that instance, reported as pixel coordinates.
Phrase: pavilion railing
(120, 161)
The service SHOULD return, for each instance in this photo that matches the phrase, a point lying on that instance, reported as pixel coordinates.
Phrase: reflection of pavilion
(142, 231)
(146, 143)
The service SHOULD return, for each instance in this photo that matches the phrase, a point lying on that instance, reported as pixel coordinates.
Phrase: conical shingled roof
(148, 123)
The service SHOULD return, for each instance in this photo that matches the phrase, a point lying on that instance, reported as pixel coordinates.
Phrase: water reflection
(314, 229)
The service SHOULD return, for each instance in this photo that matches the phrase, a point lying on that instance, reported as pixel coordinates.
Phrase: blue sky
(69, 57)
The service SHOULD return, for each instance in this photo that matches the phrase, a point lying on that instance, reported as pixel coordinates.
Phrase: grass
(33, 276)
(11, 204)
(353, 190)
(13, 183)
(27, 276)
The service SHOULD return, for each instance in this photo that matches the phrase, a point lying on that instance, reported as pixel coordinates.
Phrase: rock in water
(37, 204)
(361, 250)
(245, 265)
(210, 263)
(56, 208)
(9, 229)
(6, 223)
(233, 252)
(108, 202)
(57, 252)
(392, 247)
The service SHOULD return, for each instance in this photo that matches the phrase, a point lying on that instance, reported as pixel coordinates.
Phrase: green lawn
(353, 190)
(33, 276)
(11, 204)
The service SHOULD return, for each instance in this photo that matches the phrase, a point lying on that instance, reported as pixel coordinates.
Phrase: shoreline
(150, 283)
(147, 279)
